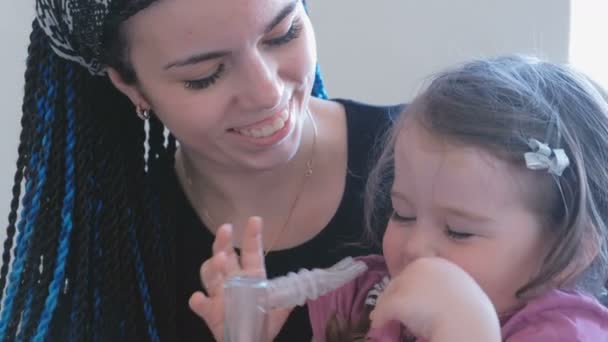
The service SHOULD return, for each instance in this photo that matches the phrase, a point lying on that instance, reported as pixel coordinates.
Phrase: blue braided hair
(318, 88)
(75, 216)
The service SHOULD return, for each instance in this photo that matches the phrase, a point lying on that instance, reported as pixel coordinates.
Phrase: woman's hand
(438, 301)
(225, 263)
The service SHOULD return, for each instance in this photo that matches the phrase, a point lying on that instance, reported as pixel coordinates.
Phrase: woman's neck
(220, 195)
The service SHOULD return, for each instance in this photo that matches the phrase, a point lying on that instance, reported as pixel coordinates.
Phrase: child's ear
(130, 90)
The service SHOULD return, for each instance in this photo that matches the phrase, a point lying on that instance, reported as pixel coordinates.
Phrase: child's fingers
(252, 253)
(386, 308)
(382, 314)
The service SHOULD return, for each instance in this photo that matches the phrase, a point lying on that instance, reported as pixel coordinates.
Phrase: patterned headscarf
(75, 29)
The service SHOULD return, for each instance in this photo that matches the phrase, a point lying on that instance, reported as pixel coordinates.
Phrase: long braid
(67, 222)
(15, 295)
(116, 158)
(25, 139)
(81, 315)
(144, 289)
(154, 250)
(104, 186)
(129, 250)
(41, 259)
(96, 277)
(44, 242)
(115, 261)
(144, 229)
(165, 219)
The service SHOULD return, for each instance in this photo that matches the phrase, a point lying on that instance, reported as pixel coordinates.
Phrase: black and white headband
(75, 29)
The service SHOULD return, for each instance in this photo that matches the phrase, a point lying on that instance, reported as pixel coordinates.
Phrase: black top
(366, 125)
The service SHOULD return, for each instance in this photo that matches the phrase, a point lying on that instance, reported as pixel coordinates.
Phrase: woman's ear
(130, 90)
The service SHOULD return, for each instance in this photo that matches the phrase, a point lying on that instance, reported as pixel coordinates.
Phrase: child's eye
(456, 234)
(292, 33)
(205, 82)
(396, 217)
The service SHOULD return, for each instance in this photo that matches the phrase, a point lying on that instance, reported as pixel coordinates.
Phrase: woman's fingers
(213, 272)
(223, 239)
(211, 311)
(252, 252)
(200, 305)
(225, 262)
(223, 243)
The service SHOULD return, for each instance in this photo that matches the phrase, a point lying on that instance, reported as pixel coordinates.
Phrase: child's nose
(419, 243)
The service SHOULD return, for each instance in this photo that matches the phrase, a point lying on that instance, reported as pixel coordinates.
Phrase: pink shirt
(554, 317)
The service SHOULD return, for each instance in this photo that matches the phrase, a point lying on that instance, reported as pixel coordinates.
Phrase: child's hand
(438, 301)
(225, 263)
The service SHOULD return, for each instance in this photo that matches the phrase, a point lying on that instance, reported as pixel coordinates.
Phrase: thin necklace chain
(307, 174)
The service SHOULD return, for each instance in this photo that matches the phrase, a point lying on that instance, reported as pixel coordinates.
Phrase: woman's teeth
(266, 129)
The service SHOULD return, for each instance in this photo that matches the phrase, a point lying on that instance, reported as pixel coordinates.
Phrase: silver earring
(143, 114)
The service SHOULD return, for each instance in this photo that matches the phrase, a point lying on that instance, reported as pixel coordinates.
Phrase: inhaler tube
(245, 309)
(248, 299)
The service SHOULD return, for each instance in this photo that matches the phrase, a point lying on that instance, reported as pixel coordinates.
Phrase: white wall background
(380, 50)
(587, 48)
(15, 24)
(376, 51)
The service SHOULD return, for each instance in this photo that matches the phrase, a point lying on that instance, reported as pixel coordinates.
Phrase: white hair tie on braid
(542, 157)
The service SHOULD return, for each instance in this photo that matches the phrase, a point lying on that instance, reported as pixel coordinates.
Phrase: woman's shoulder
(358, 107)
(369, 118)
(359, 114)
(559, 316)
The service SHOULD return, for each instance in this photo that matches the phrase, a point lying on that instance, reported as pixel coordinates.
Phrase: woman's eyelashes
(206, 81)
(292, 33)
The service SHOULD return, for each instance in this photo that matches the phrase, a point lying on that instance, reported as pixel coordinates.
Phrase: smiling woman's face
(230, 79)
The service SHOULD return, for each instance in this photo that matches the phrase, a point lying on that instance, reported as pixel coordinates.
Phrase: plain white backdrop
(375, 51)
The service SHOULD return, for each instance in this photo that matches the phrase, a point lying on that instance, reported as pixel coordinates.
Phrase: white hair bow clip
(542, 157)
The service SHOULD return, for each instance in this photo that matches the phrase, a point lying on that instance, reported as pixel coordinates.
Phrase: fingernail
(227, 227)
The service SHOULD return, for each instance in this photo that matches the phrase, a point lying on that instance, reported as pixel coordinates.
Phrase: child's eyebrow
(464, 213)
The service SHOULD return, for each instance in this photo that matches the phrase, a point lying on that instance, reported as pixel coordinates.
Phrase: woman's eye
(205, 82)
(291, 34)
